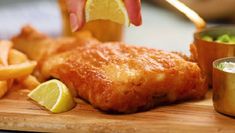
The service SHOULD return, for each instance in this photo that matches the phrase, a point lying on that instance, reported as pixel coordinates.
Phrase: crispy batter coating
(39, 47)
(123, 78)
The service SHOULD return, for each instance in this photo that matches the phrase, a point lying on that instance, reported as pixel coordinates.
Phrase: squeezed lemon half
(113, 10)
(54, 96)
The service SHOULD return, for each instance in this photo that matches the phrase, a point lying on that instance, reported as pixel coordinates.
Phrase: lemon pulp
(113, 10)
(54, 96)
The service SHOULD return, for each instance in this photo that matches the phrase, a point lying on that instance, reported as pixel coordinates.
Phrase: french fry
(3, 88)
(5, 47)
(16, 57)
(17, 70)
(30, 82)
(13, 65)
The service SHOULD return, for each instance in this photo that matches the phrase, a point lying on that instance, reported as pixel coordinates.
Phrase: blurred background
(163, 27)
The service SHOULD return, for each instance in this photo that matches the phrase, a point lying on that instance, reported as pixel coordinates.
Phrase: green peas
(207, 38)
(225, 38)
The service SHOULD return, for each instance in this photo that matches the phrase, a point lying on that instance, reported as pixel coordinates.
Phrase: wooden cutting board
(19, 113)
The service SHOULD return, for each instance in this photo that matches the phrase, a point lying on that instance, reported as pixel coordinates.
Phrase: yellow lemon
(54, 96)
(113, 10)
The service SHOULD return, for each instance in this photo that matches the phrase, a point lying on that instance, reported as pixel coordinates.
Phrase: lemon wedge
(54, 96)
(113, 10)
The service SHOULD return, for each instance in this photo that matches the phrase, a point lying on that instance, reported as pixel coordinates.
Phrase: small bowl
(206, 52)
(224, 88)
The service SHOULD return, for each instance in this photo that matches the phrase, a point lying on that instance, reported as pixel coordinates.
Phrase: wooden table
(19, 113)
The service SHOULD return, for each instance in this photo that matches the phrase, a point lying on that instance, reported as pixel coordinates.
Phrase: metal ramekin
(224, 88)
(207, 52)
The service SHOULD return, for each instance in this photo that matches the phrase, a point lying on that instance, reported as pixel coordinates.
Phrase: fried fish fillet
(39, 47)
(121, 78)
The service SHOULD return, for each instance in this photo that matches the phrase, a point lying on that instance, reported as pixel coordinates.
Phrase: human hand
(76, 9)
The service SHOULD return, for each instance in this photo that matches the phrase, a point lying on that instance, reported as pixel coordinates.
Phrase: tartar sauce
(227, 67)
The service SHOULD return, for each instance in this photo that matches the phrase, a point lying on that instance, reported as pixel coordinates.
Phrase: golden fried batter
(122, 78)
(38, 46)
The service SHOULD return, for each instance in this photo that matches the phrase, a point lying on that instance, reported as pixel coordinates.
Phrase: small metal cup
(206, 52)
(224, 88)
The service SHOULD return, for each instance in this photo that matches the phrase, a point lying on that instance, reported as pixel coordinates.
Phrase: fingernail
(74, 22)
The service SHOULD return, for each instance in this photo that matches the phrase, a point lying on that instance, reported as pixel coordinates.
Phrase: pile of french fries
(15, 67)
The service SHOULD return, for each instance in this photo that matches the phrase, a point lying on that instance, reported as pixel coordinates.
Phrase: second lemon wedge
(54, 96)
(113, 10)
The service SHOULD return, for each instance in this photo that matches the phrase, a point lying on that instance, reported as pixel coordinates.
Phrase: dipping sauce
(225, 38)
(227, 67)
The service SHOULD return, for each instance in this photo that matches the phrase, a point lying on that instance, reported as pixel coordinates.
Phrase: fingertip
(74, 22)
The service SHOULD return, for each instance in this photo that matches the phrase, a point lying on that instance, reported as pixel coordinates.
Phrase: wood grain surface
(19, 113)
